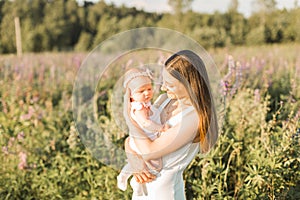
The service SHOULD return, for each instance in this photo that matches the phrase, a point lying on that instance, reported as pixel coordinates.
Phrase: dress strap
(178, 117)
(163, 105)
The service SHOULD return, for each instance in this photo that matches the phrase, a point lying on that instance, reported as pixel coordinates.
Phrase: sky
(203, 6)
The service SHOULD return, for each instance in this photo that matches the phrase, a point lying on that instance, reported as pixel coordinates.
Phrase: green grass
(256, 157)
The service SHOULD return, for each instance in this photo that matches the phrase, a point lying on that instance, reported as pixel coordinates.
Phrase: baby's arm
(172, 139)
(143, 119)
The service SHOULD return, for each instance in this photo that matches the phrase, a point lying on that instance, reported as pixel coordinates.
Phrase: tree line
(64, 25)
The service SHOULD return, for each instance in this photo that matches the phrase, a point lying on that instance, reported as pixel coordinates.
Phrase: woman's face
(174, 88)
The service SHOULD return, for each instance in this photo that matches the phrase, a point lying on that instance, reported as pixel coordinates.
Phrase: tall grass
(257, 155)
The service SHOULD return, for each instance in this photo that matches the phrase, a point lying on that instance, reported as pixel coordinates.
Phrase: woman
(188, 109)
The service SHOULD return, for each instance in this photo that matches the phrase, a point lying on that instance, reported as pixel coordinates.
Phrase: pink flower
(298, 114)
(5, 150)
(11, 141)
(21, 136)
(226, 87)
(23, 160)
(77, 61)
(256, 96)
(35, 99)
(25, 117)
(29, 114)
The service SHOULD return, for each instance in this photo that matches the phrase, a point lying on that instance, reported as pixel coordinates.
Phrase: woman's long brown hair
(189, 69)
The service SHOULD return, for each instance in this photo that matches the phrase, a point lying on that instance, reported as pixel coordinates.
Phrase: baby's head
(139, 83)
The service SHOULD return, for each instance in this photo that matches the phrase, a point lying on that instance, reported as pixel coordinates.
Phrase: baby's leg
(139, 189)
(154, 166)
(123, 177)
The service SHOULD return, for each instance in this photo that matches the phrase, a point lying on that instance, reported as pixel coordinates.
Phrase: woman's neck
(184, 102)
(174, 107)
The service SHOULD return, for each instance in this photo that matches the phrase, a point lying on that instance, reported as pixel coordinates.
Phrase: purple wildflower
(29, 114)
(256, 96)
(23, 160)
(77, 62)
(5, 150)
(225, 87)
(11, 141)
(21, 136)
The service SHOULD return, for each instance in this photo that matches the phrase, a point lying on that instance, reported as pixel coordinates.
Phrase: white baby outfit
(169, 185)
(126, 172)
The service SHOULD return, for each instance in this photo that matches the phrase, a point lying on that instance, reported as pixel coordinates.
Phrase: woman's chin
(171, 96)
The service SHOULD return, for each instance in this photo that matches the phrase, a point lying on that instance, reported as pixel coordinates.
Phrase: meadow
(257, 155)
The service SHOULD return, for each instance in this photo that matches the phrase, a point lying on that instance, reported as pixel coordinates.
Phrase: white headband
(132, 76)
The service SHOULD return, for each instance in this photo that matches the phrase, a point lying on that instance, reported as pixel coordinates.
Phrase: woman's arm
(170, 140)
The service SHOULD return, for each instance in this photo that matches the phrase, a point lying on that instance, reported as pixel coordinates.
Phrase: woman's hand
(142, 175)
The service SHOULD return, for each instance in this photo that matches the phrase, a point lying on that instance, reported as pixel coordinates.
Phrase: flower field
(257, 155)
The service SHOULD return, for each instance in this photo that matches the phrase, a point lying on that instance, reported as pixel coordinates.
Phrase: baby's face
(143, 94)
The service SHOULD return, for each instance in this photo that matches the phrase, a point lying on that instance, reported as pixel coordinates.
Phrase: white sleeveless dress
(170, 185)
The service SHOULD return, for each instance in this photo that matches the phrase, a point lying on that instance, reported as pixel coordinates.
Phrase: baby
(138, 95)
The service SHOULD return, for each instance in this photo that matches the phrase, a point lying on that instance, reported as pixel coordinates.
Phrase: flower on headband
(150, 74)
(134, 75)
